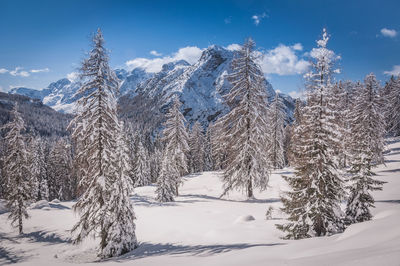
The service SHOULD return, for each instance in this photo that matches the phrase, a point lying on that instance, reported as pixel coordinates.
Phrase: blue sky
(43, 41)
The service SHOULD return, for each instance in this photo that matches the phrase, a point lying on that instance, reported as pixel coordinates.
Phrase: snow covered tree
(176, 139)
(366, 130)
(141, 167)
(61, 180)
(393, 110)
(166, 182)
(313, 204)
(95, 131)
(208, 150)
(297, 114)
(19, 185)
(276, 136)
(245, 127)
(197, 148)
(39, 168)
(217, 146)
(120, 236)
(386, 94)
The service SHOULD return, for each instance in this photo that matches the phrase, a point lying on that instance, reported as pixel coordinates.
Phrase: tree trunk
(250, 189)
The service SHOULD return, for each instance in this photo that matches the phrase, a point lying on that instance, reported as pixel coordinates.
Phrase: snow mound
(56, 201)
(245, 218)
(41, 204)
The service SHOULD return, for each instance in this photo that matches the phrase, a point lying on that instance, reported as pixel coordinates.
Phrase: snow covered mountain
(200, 87)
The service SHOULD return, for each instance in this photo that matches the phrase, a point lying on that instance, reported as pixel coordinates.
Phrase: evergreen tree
(245, 126)
(277, 117)
(366, 127)
(166, 182)
(96, 131)
(393, 114)
(208, 150)
(297, 114)
(197, 148)
(175, 139)
(141, 167)
(121, 236)
(60, 182)
(316, 187)
(39, 169)
(217, 146)
(19, 183)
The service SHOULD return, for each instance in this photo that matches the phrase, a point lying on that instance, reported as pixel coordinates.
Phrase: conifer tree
(95, 131)
(208, 150)
(297, 114)
(39, 169)
(166, 182)
(19, 185)
(366, 127)
(276, 136)
(386, 93)
(175, 139)
(197, 148)
(393, 114)
(316, 187)
(245, 127)
(141, 167)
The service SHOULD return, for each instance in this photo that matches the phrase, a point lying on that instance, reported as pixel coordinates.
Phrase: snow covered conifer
(313, 204)
(121, 236)
(95, 131)
(19, 185)
(197, 148)
(175, 139)
(276, 136)
(393, 114)
(166, 182)
(366, 130)
(245, 127)
(39, 169)
(141, 167)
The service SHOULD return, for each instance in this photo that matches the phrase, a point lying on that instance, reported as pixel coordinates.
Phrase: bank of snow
(201, 229)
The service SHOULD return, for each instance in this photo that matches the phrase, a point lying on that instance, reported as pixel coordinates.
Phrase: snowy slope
(201, 229)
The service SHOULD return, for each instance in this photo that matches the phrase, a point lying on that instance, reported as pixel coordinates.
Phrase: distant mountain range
(200, 87)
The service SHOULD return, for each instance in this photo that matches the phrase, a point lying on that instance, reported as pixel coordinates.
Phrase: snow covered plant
(245, 127)
(104, 207)
(313, 204)
(367, 131)
(19, 183)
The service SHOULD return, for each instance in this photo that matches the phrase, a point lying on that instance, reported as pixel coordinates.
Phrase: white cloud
(283, 60)
(190, 54)
(257, 18)
(73, 76)
(395, 71)
(3, 70)
(40, 70)
(233, 47)
(155, 53)
(388, 33)
(228, 20)
(19, 72)
(296, 94)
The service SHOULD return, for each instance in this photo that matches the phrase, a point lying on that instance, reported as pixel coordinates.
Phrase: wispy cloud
(190, 54)
(155, 53)
(233, 47)
(18, 71)
(296, 94)
(394, 72)
(257, 18)
(388, 32)
(73, 76)
(228, 20)
(40, 70)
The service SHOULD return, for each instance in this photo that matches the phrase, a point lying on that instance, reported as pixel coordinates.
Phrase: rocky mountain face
(145, 97)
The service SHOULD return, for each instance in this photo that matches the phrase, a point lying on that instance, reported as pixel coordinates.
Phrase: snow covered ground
(201, 229)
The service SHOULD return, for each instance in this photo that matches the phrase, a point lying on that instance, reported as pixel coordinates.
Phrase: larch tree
(176, 139)
(197, 143)
(393, 114)
(277, 116)
(95, 131)
(245, 127)
(366, 127)
(19, 183)
(166, 182)
(313, 203)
